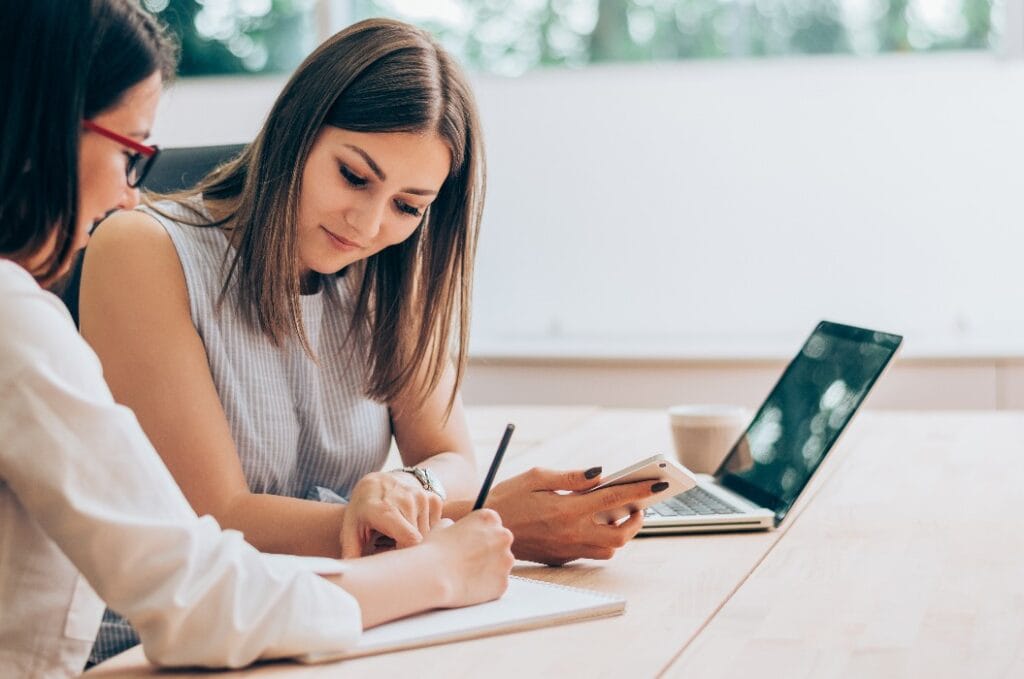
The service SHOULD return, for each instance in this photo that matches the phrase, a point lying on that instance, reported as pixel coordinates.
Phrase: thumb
(572, 479)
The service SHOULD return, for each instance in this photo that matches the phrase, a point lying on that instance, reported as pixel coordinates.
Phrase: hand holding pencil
(479, 546)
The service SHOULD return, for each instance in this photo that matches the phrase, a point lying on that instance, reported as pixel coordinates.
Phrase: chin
(327, 266)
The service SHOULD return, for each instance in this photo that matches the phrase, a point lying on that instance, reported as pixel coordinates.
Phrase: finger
(443, 523)
(436, 506)
(628, 529)
(618, 496)
(613, 536)
(539, 478)
(390, 522)
(423, 512)
(595, 552)
(612, 517)
(351, 545)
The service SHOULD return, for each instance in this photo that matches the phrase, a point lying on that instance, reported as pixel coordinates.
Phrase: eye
(408, 209)
(351, 177)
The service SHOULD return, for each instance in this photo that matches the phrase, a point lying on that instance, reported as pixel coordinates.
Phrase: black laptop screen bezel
(769, 500)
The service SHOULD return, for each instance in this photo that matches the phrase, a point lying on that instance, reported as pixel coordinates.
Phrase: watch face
(433, 483)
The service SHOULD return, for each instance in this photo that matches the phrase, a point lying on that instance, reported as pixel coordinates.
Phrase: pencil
(489, 479)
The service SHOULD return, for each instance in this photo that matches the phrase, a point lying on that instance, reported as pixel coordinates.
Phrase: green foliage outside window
(513, 36)
(223, 37)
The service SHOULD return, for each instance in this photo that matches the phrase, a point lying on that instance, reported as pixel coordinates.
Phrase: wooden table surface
(903, 558)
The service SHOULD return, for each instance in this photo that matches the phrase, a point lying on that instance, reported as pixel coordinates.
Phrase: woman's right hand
(555, 528)
(475, 557)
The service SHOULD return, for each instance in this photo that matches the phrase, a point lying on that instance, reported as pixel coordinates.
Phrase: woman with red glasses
(88, 513)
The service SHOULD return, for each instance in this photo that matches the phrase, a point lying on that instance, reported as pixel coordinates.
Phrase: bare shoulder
(131, 263)
(130, 235)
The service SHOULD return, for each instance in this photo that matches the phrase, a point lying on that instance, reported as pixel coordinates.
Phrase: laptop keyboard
(694, 502)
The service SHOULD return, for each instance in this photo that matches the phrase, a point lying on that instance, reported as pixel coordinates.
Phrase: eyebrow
(380, 173)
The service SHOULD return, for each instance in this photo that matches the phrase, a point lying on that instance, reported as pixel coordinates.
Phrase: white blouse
(87, 507)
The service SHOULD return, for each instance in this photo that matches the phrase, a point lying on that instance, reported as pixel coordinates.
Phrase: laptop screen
(805, 413)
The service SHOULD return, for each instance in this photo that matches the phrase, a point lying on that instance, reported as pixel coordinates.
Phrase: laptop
(794, 429)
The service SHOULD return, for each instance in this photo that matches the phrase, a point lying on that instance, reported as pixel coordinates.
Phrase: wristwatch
(427, 479)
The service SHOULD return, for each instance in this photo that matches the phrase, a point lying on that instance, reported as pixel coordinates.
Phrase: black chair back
(182, 168)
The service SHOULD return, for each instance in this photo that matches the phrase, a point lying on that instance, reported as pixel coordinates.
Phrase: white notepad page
(526, 604)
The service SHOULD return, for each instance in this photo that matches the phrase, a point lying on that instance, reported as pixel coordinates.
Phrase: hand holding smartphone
(653, 469)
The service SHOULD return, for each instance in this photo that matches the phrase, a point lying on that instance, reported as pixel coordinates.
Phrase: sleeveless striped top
(300, 426)
(301, 429)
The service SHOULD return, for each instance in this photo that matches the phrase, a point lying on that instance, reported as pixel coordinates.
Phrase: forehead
(137, 106)
(420, 160)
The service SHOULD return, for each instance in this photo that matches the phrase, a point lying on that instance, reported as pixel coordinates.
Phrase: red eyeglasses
(139, 163)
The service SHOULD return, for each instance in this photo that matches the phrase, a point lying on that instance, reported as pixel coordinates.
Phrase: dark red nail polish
(593, 472)
(659, 486)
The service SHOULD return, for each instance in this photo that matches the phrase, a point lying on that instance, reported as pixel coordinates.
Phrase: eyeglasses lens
(138, 167)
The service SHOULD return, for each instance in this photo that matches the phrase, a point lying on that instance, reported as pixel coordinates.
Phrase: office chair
(175, 169)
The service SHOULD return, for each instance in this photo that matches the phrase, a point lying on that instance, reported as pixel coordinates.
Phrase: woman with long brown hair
(276, 327)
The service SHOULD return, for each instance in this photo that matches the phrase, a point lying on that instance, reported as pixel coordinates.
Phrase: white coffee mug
(703, 434)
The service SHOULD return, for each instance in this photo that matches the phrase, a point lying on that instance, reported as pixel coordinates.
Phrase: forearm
(285, 525)
(457, 472)
(394, 584)
(456, 509)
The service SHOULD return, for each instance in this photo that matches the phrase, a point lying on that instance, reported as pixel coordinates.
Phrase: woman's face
(365, 191)
(102, 163)
(102, 183)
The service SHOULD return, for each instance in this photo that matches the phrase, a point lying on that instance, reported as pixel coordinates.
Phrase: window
(513, 36)
(221, 37)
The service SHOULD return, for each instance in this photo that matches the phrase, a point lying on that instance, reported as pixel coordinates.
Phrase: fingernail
(593, 472)
(659, 486)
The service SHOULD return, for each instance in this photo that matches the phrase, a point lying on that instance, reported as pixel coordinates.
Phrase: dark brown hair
(61, 62)
(379, 76)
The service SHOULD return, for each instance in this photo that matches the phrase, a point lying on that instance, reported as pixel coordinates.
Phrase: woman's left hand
(392, 505)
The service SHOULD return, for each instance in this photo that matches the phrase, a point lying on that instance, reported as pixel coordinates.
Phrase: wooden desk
(910, 563)
(880, 575)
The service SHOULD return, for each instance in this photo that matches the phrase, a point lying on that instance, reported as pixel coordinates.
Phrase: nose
(129, 199)
(366, 218)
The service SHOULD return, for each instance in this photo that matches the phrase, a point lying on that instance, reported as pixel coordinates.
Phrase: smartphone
(653, 469)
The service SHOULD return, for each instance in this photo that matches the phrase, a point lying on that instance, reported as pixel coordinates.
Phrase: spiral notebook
(527, 604)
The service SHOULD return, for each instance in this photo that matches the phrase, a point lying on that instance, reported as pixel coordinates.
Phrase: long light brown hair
(413, 303)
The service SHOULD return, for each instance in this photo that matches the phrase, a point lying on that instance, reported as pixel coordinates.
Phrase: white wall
(679, 207)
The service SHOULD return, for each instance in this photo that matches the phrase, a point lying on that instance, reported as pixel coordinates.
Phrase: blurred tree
(610, 40)
(238, 36)
(512, 36)
(892, 27)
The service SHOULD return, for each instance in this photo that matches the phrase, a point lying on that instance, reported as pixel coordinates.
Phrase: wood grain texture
(909, 563)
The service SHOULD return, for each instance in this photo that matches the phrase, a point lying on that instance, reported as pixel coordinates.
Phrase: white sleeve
(84, 470)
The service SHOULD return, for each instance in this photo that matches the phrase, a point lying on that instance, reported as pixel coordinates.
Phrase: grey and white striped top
(298, 425)
(301, 428)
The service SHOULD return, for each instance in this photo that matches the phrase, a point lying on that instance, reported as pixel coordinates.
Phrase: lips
(341, 241)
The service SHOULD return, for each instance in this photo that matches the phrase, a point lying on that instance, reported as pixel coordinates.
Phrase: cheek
(400, 231)
(101, 183)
